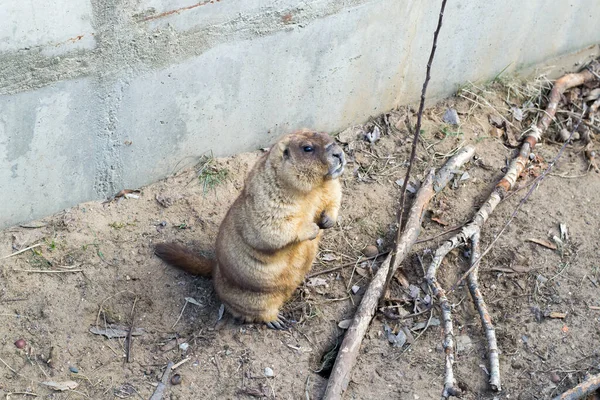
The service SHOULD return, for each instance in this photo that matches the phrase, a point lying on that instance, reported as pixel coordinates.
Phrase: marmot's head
(305, 159)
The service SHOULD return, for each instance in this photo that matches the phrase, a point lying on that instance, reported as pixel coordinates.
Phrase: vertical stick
(413, 152)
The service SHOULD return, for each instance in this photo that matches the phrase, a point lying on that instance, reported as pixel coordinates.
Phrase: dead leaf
(329, 257)
(517, 113)
(497, 121)
(421, 325)
(61, 386)
(510, 140)
(194, 301)
(543, 243)
(316, 281)
(558, 315)
(24, 239)
(496, 132)
(401, 278)
(593, 95)
(374, 135)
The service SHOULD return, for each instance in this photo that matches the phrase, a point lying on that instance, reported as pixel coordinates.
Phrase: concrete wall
(101, 95)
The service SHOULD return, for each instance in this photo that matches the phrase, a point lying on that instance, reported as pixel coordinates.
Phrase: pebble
(74, 370)
(269, 372)
(554, 377)
(176, 379)
(20, 343)
(370, 251)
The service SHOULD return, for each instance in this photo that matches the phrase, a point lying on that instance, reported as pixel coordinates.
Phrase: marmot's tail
(184, 258)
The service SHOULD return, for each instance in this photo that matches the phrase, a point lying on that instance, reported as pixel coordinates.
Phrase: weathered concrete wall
(100, 95)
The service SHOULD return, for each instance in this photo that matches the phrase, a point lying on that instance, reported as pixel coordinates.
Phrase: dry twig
(471, 231)
(158, 392)
(585, 388)
(394, 262)
(22, 251)
(346, 358)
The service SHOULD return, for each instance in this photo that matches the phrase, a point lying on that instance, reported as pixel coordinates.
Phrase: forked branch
(471, 231)
(346, 358)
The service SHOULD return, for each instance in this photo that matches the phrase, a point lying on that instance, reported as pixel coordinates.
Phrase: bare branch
(417, 132)
(346, 358)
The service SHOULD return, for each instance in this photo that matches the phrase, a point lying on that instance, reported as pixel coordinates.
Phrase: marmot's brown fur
(269, 237)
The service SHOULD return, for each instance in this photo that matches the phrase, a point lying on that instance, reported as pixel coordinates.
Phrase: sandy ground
(95, 267)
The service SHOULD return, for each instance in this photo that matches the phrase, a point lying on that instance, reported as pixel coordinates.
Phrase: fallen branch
(158, 392)
(486, 320)
(587, 387)
(346, 358)
(471, 231)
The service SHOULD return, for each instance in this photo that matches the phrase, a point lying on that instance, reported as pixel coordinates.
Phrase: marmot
(268, 239)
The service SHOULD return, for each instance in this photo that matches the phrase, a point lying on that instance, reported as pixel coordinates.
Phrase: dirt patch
(544, 303)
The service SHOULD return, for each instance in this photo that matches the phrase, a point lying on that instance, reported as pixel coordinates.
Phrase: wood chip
(61, 386)
(558, 315)
(439, 221)
(543, 243)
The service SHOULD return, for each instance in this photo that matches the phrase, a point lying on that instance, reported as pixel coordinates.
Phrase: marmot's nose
(339, 155)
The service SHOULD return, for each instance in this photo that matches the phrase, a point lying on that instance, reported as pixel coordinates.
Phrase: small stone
(20, 344)
(516, 365)
(554, 377)
(269, 372)
(451, 117)
(355, 289)
(184, 346)
(74, 370)
(370, 251)
(176, 379)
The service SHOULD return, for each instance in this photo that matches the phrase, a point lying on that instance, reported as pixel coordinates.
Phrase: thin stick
(333, 269)
(48, 271)
(585, 388)
(447, 231)
(486, 320)
(180, 363)
(129, 356)
(180, 314)
(346, 358)
(22, 251)
(413, 153)
(8, 366)
(158, 392)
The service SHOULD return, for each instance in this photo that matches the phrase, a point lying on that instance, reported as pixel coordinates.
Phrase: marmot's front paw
(326, 221)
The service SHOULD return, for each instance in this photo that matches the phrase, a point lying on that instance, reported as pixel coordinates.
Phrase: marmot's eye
(308, 149)
(286, 153)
